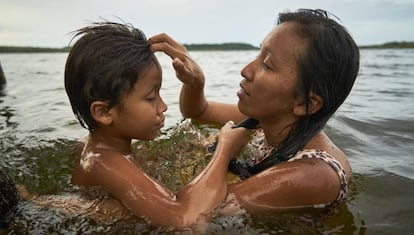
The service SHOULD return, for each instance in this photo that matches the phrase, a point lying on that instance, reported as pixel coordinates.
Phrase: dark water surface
(375, 128)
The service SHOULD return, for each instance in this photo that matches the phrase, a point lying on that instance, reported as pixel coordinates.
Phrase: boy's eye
(152, 96)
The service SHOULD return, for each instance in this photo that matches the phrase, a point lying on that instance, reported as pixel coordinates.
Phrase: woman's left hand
(186, 69)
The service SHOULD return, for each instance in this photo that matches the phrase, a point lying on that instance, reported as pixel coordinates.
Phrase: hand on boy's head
(163, 42)
(187, 70)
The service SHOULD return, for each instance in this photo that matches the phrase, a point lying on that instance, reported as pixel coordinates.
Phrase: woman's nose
(247, 71)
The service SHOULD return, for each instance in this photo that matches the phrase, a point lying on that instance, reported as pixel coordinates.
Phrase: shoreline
(198, 47)
(390, 45)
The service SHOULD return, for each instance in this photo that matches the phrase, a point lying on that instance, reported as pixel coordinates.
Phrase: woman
(306, 68)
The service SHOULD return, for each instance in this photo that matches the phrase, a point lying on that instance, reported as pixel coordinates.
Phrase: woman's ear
(100, 112)
(315, 104)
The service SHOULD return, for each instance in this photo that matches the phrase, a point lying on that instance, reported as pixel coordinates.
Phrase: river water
(374, 127)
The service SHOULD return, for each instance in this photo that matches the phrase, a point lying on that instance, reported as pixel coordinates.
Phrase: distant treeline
(220, 47)
(390, 45)
(194, 47)
(199, 47)
(7, 49)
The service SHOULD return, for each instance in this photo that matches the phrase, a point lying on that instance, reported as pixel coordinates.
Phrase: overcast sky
(47, 23)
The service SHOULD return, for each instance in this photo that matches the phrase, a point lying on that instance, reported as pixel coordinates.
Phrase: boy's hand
(235, 138)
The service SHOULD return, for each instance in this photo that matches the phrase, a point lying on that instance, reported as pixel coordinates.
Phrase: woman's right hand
(186, 69)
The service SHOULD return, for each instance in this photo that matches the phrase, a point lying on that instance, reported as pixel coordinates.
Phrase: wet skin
(269, 94)
(106, 159)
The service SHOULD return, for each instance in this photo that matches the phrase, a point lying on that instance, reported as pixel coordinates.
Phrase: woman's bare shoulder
(322, 142)
(303, 183)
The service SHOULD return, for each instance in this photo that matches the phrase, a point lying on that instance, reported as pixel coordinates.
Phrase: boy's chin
(151, 137)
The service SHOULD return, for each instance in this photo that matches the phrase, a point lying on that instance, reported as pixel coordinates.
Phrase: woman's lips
(242, 92)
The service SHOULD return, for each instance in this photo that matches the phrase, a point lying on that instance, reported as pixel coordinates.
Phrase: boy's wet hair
(103, 65)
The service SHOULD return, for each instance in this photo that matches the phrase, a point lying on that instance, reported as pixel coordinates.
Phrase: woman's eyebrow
(272, 55)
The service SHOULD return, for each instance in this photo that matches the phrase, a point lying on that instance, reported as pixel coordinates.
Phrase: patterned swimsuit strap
(332, 162)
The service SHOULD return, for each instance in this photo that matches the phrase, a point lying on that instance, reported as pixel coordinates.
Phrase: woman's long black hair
(328, 68)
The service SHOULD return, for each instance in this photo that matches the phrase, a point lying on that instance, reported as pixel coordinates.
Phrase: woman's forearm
(192, 100)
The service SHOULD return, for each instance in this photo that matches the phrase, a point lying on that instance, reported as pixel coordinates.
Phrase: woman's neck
(275, 131)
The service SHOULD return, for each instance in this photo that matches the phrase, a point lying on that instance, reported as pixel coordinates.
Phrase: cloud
(48, 22)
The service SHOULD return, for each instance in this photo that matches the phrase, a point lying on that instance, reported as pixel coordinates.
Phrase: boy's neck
(101, 140)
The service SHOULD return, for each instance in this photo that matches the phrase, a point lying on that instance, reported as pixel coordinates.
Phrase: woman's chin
(243, 109)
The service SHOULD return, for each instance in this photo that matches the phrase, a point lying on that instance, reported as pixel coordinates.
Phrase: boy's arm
(147, 198)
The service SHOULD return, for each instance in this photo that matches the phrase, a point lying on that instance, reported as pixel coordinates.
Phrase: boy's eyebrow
(155, 86)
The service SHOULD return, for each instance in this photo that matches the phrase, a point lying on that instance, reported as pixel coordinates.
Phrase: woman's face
(269, 90)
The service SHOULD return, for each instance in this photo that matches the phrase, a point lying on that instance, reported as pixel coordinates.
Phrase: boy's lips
(161, 123)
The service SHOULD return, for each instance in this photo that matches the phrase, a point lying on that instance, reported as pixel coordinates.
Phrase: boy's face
(141, 113)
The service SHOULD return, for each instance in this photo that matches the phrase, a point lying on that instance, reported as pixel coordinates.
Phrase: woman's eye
(264, 65)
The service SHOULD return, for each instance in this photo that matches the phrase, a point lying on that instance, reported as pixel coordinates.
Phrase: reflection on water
(173, 161)
(374, 127)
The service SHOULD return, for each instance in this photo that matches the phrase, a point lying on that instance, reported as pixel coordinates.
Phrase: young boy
(113, 81)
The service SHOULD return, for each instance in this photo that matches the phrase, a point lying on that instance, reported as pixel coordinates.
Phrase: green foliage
(390, 45)
(197, 47)
(9, 49)
(220, 47)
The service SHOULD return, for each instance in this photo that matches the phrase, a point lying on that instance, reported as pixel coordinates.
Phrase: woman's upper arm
(288, 185)
(221, 113)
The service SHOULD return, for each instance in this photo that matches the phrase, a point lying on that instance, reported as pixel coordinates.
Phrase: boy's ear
(315, 104)
(100, 112)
